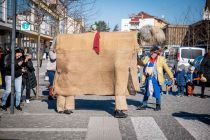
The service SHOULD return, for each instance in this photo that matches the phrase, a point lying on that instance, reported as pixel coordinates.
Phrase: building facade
(206, 11)
(135, 22)
(47, 17)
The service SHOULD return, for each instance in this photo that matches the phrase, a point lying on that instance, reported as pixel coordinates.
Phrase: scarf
(96, 45)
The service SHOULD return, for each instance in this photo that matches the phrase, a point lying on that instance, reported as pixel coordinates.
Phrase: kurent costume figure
(153, 66)
(97, 63)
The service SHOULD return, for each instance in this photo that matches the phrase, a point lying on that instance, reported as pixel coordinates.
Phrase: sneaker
(177, 95)
(120, 114)
(60, 112)
(4, 108)
(157, 107)
(27, 101)
(203, 96)
(143, 107)
(18, 108)
(68, 111)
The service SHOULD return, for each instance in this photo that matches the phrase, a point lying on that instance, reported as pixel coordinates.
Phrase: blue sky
(174, 11)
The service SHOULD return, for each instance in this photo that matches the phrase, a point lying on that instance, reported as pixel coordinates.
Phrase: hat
(154, 49)
(18, 49)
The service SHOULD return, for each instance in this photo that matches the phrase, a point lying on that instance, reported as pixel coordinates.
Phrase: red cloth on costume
(153, 59)
(96, 45)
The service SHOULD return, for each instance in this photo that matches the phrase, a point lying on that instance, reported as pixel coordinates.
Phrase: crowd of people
(185, 80)
(24, 76)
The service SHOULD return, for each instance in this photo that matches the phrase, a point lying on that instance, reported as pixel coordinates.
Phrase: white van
(186, 54)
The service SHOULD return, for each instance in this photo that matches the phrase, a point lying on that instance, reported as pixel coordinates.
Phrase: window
(190, 53)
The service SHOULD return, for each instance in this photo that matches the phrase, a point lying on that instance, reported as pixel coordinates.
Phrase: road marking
(147, 129)
(198, 129)
(43, 129)
(103, 128)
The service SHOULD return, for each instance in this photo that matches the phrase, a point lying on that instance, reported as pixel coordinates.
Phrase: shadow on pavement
(87, 104)
(205, 118)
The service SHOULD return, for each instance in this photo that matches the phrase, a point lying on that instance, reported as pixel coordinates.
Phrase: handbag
(130, 86)
(203, 79)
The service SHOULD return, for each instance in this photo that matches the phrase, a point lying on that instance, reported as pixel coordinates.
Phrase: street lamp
(13, 56)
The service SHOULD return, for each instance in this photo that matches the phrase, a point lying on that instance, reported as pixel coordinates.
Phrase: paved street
(181, 118)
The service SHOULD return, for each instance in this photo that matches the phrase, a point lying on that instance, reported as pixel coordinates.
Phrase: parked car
(186, 54)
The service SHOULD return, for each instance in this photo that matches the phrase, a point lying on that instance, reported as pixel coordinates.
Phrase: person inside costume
(153, 77)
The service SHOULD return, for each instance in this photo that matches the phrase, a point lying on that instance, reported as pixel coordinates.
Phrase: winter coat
(181, 78)
(29, 76)
(161, 65)
(18, 69)
(205, 67)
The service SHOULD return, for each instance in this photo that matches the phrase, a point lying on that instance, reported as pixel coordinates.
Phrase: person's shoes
(68, 111)
(18, 108)
(177, 95)
(27, 101)
(119, 114)
(60, 112)
(157, 107)
(143, 107)
(50, 98)
(203, 96)
(4, 108)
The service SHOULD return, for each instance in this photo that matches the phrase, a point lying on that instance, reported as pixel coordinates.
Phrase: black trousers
(28, 90)
(203, 86)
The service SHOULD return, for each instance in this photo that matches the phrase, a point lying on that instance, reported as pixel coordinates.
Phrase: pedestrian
(47, 49)
(205, 72)
(153, 77)
(168, 83)
(41, 53)
(51, 68)
(18, 78)
(191, 78)
(181, 78)
(29, 79)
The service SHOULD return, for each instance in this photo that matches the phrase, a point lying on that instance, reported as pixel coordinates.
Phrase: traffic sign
(25, 26)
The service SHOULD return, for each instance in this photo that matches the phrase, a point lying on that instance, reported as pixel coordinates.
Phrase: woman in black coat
(205, 70)
(29, 78)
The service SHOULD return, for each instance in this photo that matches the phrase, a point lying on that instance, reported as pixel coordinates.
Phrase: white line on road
(147, 129)
(103, 128)
(44, 129)
(199, 130)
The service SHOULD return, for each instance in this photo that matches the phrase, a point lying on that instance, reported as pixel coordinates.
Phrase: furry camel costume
(81, 71)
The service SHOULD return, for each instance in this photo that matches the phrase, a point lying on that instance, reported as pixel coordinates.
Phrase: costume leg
(70, 103)
(60, 103)
(120, 103)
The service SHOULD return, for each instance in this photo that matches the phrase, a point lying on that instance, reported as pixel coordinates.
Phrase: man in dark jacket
(18, 78)
(205, 71)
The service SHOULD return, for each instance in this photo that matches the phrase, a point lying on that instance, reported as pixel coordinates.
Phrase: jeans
(51, 75)
(18, 85)
(180, 90)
